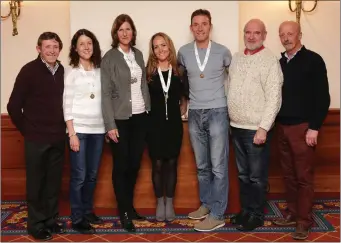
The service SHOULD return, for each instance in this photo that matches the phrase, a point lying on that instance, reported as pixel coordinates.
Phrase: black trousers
(127, 155)
(44, 165)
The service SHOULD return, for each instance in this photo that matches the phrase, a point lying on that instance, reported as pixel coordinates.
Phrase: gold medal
(92, 96)
(202, 75)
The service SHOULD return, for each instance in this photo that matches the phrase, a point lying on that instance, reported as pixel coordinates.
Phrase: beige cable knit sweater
(254, 90)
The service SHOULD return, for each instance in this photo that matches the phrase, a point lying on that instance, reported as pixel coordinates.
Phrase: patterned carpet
(14, 214)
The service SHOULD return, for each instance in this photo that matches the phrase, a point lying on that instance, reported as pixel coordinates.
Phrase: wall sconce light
(14, 11)
(299, 8)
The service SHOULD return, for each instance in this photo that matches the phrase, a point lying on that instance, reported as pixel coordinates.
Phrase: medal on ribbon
(202, 66)
(165, 87)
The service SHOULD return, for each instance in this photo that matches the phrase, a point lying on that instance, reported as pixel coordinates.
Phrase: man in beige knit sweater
(254, 99)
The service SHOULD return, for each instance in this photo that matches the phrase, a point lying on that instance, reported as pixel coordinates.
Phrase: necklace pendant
(202, 75)
(92, 96)
(133, 80)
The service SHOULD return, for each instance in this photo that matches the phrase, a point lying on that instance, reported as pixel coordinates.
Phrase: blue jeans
(253, 164)
(208, 130)
(84, 168)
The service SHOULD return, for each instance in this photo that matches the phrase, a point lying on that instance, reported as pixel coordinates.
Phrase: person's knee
(171, 165)
(92, 176)
(220, 172)
(305, 178)
(204, 171)
(244, 178)
(157, 166)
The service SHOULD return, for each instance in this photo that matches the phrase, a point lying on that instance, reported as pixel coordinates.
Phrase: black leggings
(164, 177)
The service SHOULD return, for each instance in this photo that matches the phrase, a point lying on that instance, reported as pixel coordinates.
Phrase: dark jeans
(127, 155)
(253, 164)
(44, 165)
(84, 168)
(297, 165)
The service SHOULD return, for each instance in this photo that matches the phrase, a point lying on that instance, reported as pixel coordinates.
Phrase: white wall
(36, 17)
(171, 17)
(321, 29)
(321, 32)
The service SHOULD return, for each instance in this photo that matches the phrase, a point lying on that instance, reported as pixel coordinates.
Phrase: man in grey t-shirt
(205, 63)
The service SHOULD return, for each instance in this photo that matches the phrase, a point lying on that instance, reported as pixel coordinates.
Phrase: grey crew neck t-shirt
(207, 92)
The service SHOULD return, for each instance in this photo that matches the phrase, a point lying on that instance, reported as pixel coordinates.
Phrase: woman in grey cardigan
(125, 103)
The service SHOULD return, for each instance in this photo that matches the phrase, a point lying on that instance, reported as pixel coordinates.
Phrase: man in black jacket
(305, 104)
(36, 109)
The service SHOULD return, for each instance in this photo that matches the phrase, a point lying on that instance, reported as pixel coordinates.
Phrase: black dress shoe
(240, 218)
(137, 216)
(42, 234)
(251, 224)
(127, 223)
(55, 229)
(93, 218)
(84, 227)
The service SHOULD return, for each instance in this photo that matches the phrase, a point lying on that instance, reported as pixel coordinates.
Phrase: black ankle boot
(41, 234)
(127, 223)
(251, 224)
(83, 227)
(93, 218)
(240, 218)
(136, 216)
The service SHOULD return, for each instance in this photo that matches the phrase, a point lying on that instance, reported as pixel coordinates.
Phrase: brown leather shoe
(287, 221)
(300, 233)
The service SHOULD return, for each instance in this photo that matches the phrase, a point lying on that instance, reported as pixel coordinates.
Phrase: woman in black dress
(168, 103)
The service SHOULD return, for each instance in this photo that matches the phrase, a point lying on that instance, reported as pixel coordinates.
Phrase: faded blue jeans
(208, 130)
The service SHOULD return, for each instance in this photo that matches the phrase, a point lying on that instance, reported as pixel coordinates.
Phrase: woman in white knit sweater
(85, 126)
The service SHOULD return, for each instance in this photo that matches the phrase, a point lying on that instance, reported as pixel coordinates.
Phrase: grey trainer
(209, 224)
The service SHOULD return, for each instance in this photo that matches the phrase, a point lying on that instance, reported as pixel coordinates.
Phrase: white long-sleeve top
(86, 112)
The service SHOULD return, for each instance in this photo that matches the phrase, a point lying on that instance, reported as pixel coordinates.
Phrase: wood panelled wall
(327, 169)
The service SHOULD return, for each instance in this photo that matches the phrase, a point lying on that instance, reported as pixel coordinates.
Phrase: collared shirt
(289, 58)
(54, 69)
(135, 69)
(137, 100)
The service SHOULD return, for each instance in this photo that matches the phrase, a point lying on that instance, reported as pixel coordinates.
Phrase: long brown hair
(74, 56)
(152, 63)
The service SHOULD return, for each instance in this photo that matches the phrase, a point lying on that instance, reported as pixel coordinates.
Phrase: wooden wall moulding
(327, 169)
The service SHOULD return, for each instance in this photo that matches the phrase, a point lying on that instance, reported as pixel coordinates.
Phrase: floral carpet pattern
(14, 216)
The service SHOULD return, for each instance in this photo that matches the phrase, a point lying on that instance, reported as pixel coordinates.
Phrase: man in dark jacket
(36, 109)
(305, 104)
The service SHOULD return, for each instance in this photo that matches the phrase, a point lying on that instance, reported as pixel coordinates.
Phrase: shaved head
(290, 35)
(254, 34)
(258, 22)
(292, 24)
